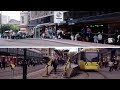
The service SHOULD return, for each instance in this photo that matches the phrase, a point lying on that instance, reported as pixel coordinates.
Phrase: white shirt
(110, 64)
(99, 37)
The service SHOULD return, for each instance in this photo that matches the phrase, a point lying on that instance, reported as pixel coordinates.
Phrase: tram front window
(91, 56)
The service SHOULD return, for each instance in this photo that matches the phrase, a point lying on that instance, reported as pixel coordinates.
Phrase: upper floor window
(22, 19)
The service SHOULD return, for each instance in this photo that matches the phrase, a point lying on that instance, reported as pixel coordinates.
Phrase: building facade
(110, 54)
(41, 17)
(106, 22)
(47, 52)
(24, 21)
(14, 22)
(39, 20)
(99, 21)
(4, 19)
(17, 54)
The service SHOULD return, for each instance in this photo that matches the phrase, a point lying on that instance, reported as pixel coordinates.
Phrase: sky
(13, 14)
(72, 49)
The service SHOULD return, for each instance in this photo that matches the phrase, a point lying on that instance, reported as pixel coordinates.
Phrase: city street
(101, 74)
(38, 72)
(49, 42)
(18, 71)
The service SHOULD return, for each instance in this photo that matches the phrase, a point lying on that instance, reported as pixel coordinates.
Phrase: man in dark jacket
(3, 64)
(55, 63)
(0, 64)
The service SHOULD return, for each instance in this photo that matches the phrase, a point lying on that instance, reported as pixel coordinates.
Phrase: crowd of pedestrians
(111, 64)
(16, 35)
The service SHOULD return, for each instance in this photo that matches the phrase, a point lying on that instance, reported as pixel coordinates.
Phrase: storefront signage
(58, 16)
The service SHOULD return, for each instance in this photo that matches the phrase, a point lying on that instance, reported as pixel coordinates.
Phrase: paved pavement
(102, 74)
(33, 42)
(41, 74)
(8, 73)
(110, 75)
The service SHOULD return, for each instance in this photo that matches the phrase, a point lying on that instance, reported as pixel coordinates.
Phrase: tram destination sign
(91, 50)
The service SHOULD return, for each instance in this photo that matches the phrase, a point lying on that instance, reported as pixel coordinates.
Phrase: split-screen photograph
(59, 45)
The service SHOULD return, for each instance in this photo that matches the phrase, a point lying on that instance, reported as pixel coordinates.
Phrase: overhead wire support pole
(25, 65)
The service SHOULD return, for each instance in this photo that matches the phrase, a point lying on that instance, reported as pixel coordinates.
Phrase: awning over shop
(46, 24)
(105, 18)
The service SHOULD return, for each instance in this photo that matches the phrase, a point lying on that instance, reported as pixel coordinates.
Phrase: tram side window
(82, 56)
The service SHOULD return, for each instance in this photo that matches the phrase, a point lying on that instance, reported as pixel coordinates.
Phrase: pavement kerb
(78, 43)
(64, 42)
(86, 44)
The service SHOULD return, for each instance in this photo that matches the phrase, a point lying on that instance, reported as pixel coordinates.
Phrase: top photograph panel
(60, 28)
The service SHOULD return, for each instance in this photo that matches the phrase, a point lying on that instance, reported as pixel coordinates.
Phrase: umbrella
(58, 52)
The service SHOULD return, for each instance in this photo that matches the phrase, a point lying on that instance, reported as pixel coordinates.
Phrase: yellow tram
(88, 59)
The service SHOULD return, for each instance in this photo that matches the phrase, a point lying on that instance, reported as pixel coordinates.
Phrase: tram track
(94, 75)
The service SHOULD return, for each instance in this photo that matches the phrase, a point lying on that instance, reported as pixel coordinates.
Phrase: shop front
(106, 25)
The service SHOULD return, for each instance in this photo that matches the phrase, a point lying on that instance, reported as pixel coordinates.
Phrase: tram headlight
(86, 63)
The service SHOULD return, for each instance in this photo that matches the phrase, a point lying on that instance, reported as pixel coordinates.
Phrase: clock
(59, 14)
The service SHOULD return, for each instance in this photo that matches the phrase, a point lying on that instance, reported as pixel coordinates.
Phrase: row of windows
(19, 51)
(67, 15)
(80, 14)
(48, 19)
(36, 14)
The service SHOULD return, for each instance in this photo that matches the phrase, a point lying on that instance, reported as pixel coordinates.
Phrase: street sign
(58, 16)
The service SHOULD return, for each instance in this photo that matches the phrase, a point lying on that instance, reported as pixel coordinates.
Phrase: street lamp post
(24, 65)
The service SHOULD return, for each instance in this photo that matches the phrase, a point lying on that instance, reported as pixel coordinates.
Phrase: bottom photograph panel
(60, 63)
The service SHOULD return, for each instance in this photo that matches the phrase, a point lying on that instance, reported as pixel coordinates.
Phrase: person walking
(72, 37)
(110, 64)
(58, 34)
(50, 33)
(95, 38)
(99, 37)
(115, 65)
(55, 64)
(118, 65)
(3, 64)
(77, 36)
(0, 64)
(116, 37)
